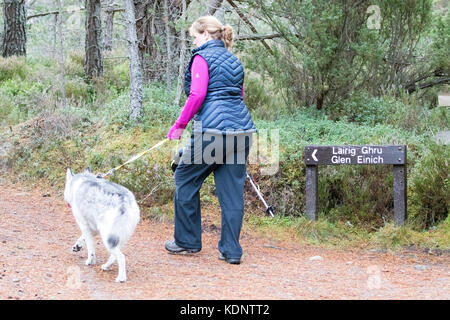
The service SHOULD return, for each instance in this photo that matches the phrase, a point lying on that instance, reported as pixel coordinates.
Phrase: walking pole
(269, 209)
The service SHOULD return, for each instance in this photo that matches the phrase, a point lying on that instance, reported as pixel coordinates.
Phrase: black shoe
(229, 260)
(172, 247)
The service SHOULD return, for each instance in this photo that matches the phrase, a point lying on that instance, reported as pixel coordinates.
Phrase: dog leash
(132, 159)
(270, 210)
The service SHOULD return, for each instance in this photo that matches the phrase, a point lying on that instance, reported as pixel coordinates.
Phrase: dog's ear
(88, 170)
(69, 174)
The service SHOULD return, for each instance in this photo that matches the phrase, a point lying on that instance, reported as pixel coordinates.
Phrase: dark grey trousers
(226, 156)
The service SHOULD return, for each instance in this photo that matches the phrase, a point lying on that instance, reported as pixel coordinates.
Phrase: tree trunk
(149, 45)
(109, 18)
(152, 36)
(58, 18)
(55, 33)
(168, 48)
(181, 66)
(93, 62)
(135, 63)
(14, 38)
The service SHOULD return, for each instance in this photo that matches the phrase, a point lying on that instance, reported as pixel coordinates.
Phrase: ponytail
(227, 36)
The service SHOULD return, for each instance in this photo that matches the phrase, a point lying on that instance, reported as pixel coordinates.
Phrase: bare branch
(252, 27)
(429, 84)
(259, 37)
(213, 6)
(43, 14)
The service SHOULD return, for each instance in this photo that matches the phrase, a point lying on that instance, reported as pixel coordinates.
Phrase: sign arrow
(314, 155)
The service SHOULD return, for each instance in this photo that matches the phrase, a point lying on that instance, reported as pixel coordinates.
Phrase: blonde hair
(214, 28)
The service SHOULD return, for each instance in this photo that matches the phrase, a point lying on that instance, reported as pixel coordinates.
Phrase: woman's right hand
(176, 131)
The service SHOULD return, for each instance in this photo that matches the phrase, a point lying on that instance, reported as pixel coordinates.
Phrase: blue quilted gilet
(223, 111)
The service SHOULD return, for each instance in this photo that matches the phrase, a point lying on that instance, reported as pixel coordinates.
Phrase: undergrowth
(40, 140)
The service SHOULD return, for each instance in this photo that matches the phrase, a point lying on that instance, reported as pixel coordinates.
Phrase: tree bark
(152, 36)
(58, 19)
(148, 50)
(109, 18)
(14, 38)
(135, 63)
(181, 66)
(168, 47)
(93, 63)
(55, 33)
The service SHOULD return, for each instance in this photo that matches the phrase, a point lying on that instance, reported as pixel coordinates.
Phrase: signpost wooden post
(356, 155)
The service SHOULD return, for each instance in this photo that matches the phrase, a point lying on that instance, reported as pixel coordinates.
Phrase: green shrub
(12, 67)
(158, 106)
(158, 109)
(405, 112)
(74, 64)
(151, 182)
(361, 195)
(429, 187)
(21, 100)
(259, 101)
(78, 90)
(117, 74)
(361, 108)
(115, 111)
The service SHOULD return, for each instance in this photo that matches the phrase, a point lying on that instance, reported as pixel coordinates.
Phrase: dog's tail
(124, 225)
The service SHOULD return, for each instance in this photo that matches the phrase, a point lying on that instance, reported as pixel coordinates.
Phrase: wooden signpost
(356, 155)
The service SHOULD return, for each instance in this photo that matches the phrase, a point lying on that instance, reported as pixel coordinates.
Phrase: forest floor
(36, 262)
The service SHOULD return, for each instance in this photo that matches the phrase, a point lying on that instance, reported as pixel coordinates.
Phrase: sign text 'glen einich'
(335, 155)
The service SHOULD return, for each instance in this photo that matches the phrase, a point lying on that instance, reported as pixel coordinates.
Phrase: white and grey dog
(103, 207)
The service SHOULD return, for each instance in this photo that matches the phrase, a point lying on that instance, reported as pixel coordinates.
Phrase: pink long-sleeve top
(199, 87)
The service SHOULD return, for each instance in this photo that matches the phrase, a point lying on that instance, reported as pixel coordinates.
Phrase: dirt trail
(36, 262)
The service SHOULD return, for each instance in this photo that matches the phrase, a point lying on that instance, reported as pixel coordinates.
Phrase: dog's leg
(78, 245)
(89, 238)
(122, 276)
(111, 260)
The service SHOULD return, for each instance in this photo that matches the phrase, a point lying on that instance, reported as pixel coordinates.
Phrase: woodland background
(91, 83)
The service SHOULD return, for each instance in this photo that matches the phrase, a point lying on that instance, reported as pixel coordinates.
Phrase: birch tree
(59, 36)
(181, 66)
(135, 63)
(168, 47)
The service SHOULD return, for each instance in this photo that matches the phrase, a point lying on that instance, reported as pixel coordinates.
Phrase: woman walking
(220, 140)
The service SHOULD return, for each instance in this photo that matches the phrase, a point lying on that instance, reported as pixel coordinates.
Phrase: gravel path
(36, 262)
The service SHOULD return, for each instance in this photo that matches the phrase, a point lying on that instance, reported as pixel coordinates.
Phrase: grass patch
(323, 233)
